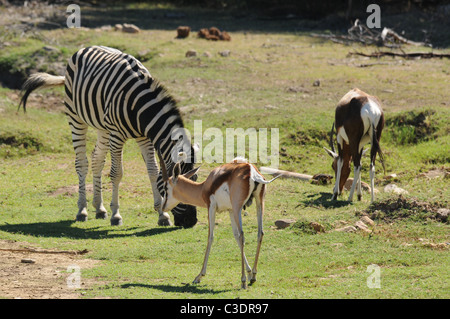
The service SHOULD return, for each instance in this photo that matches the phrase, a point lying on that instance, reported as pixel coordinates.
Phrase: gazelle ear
(331, 153)
(176, 172)
(191, 173)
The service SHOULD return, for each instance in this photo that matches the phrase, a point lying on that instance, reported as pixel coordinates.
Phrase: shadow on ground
(66, 229)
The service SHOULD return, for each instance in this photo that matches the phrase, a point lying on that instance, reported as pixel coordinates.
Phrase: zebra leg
(116, 143)
(79, 131)
(98, 162)
(148, 153)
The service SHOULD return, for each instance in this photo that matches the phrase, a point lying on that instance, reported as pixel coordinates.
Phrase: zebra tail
(36, 81)
(376, 149)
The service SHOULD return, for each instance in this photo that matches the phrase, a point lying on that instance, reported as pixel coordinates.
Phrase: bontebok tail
(37, 81)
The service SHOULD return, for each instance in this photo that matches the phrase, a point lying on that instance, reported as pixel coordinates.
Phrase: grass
(266, 82)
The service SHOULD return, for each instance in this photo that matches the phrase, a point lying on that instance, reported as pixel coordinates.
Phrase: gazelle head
(173, 185)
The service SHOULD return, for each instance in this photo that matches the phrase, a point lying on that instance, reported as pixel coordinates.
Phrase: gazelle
(359, 120)
(231, 187)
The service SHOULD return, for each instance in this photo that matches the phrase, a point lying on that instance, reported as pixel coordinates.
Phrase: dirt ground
(27, 272)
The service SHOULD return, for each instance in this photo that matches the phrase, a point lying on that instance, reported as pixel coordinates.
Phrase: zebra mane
(166, 94)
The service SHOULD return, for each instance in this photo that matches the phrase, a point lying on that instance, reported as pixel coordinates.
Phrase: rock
(183, 32)
(366, 220)
(392, 188)
(207, 54)
(225, 53)
(360, 225)
(224, 36)
(442, 214)
(316, 83)
(118, 27)
(284, 223)
(213, 34)
(191, 53)
(390, 177)
(349, 182)
(28, 261)
(130, 28)
(317, 227)
(347, 229)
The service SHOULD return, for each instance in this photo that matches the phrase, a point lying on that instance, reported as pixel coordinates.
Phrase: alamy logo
(373, 20)
(74, 19)
(257, 145)
(374, 279)
(74, 279)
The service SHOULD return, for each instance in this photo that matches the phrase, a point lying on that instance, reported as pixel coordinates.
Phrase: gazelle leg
(236, 224)
(148, 153)
(116, 143)
(211, 222)
(259, 215)
(98, 162)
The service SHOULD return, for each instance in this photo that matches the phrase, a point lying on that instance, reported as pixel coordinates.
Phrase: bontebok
(359, 120)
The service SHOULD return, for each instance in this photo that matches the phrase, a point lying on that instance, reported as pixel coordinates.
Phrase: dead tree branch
(413, 55)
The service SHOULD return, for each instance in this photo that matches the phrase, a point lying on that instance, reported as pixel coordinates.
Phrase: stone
(191, 53)
(130, 28)
(442, 214)
(366, 220)
(225, 53)
(284, 223)
(349, 182)
(317, 227)
(390, 176)
(392, 188)
(183, 32)
(360, 225)
(347, 229)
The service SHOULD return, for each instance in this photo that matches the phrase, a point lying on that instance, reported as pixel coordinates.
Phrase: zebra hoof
(82, 215)
(164, 220)
(101, 215)
(81, 218)
(116, 222)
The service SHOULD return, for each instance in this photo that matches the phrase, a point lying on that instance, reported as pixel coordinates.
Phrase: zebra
(115, 94)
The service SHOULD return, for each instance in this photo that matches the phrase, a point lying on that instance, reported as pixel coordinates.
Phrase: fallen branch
(43, 251)
(386, 33)
(413, 55)
(317, 179)
(361, 33)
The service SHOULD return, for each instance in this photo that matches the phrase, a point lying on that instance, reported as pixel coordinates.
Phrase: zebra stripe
(114, 93)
